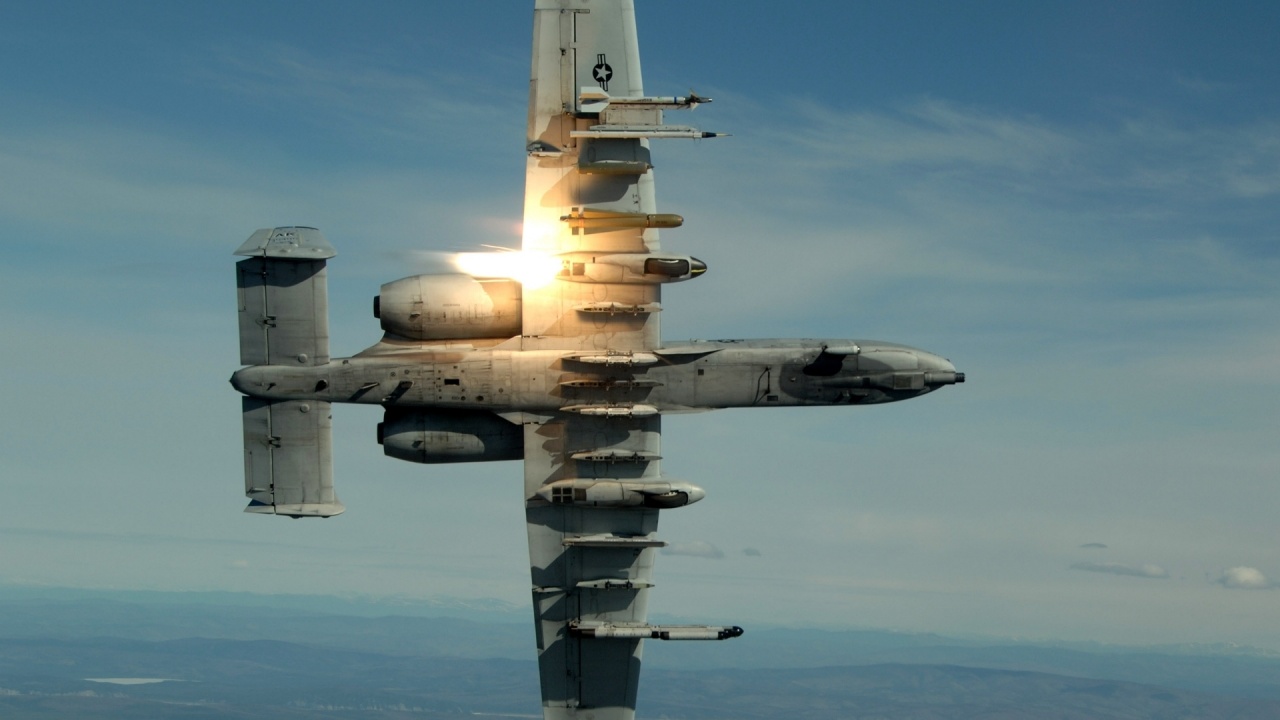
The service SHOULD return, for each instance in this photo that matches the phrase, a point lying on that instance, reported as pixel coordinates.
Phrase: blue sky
(1075, 202)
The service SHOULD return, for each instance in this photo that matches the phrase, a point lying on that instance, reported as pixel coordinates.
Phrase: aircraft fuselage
(699, 375)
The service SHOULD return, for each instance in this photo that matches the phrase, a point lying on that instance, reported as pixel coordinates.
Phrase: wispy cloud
(1115, 568)
(1017, 218)
(371, 93)
(929, 134)
(990, 169)
(1094, 546)
(1244, 578)
(1133, 168)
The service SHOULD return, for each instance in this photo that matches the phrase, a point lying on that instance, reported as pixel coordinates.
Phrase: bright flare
(533, 270)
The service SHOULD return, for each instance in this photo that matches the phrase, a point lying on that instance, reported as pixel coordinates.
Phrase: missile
(626, 132)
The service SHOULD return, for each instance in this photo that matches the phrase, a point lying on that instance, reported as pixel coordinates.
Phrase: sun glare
(533, 270)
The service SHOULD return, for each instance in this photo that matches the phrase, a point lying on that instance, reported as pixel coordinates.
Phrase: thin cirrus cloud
(1052, 214)
(930, 133)
(958, 162)
(362, 92)
(1115, 568)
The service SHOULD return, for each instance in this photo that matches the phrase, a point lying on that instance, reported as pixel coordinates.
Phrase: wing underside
(569, 177)
(590, 564)
(593, 483)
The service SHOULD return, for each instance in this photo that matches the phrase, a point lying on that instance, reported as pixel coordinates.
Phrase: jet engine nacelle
(449, 436)
(449, 306)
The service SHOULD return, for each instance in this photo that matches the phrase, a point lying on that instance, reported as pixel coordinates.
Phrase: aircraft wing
(589, 201)
(591, 566)
(593, 485)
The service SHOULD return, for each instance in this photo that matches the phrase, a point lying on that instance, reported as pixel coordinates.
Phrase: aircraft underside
(566, 372)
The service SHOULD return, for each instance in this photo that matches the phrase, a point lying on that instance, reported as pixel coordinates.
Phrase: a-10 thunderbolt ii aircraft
(568, 373)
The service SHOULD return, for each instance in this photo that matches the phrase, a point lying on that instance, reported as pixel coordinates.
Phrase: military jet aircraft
(567, 372)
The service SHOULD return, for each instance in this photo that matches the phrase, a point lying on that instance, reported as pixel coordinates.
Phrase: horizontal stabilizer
(288, 458)
(282, 291)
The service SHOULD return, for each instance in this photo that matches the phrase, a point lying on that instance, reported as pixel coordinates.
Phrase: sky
(1075, 202)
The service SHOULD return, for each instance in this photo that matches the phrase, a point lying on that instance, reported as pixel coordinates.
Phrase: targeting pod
(629, 268)
(590, 492)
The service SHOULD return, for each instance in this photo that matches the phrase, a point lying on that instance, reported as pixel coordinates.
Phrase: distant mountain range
(228, 655)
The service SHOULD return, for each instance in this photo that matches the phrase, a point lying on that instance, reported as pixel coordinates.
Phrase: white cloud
(1244, 578)
(1115, 568)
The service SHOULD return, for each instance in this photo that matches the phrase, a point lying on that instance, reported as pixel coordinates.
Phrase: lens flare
(531, 269)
